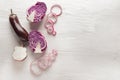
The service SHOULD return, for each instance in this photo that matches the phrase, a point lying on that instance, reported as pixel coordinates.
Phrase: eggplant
(19, 30)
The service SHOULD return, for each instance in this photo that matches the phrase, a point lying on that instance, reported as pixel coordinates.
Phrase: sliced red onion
(43, 63)
(37, 42)
(34, 68)
(36, 12)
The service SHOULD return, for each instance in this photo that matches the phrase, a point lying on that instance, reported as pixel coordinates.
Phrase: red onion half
(37, 42)
(36, 12)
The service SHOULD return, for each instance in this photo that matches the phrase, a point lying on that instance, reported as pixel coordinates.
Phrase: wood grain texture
(88, 41)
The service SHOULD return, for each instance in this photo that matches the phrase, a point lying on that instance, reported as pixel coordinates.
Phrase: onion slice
(19, 53)
(43, 63)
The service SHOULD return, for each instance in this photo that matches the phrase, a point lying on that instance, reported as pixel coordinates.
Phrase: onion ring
(34, 63)
(53, 17)
(56, 6)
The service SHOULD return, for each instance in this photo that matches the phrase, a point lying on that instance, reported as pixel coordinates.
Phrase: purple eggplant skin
(19, 30)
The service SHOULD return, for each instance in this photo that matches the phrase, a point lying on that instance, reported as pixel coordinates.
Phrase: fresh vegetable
(37, 42)
(36, 12)
(19, 30)
(19, 53)
(42, 64)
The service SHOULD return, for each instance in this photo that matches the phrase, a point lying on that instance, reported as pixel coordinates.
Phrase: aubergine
(19, 30)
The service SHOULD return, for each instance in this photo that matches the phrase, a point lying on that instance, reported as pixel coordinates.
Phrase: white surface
(88, 41)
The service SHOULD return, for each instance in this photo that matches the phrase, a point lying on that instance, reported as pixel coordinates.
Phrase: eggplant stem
(11, 11)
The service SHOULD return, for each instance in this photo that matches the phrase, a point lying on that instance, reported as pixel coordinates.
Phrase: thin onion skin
(36, 37)
(19, 30)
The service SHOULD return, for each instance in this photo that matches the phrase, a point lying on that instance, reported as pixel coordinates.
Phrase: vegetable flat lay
(35, 39)
(59, 39)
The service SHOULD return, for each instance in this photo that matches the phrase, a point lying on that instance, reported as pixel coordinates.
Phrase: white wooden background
(88, 41)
